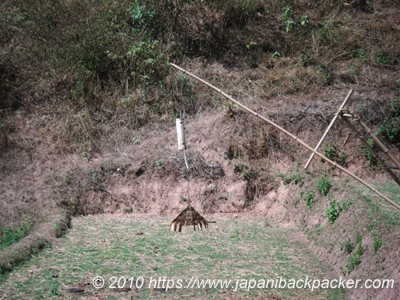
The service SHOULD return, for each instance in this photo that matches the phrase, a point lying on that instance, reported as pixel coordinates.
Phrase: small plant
(223, 197)
(296, 178)
(288, 17)
(370, 157)
(287, 13)
(383, 59)
(347, 246)
(239, 168)
(330, 150)
(355, 259)
(290, 24)
(377, 244)
(390, 129)
(363, 56)
(250, 45)
(333, 211)
(304, 20)
(324, 185)
(276, 54)
(308, 198)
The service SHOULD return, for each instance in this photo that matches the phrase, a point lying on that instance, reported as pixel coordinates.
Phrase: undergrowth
(11, 235)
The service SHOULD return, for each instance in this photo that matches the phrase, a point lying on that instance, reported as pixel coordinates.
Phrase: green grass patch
(11, 235)
(380, 208)
(145, 247)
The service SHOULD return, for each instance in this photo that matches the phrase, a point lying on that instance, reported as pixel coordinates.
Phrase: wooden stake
(329, 127)
(291, 136)
(352, 127)
(376, 140)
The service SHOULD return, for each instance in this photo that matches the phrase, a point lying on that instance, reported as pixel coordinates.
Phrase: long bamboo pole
(290, 135)
(329, 127)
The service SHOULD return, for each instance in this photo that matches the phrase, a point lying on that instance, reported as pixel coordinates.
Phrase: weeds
(10, 236)
(355, 259)
(372, 161)
(333, 211)
(377, 244)
(347, 246)
(308, 198)
(382, 59)
(324, 185)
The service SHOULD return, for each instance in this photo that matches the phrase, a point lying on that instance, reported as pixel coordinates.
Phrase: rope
(186, 150)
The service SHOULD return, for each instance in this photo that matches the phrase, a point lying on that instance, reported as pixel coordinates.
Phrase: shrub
(333, 211)
(308, 198)
(324, 185)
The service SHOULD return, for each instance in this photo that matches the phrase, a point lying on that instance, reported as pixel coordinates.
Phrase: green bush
(324, 185)
(308, 198)
(333, 211)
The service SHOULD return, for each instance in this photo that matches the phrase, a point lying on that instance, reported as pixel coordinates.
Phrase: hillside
(88, 102)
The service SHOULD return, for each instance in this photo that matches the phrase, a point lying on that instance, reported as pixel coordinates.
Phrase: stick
(329, 127)
(291, 136)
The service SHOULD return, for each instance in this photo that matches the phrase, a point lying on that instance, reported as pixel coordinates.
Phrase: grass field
(131, 246)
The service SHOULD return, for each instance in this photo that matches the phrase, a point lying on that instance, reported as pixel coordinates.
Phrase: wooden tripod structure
(315, 152)
(189, 217)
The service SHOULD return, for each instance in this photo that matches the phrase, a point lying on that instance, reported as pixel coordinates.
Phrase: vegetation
(333, 211)
(308, 198)
(162, 253)
(10, 235)
(324, 185)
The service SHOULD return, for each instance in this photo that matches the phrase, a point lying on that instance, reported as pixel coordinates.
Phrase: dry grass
(143, 246)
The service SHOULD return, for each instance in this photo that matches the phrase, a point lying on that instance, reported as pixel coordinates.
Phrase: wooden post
(329, 127)
(390, 173)
(291, 136)
(376, 140)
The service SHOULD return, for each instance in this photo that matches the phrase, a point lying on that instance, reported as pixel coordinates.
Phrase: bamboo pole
(291, 136)
(352, 127)
(376, 140)
(329, 127)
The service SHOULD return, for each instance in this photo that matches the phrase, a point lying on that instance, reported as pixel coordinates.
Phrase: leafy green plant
(383, 59)
(305, 19)
(390, 129)
(362, 54)
(287, 16)
(287, 13)
(355, 259)
(324, 185)
(329, 149)
(333, 211)
(290, 24)
(276, 54)
(308, 198)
